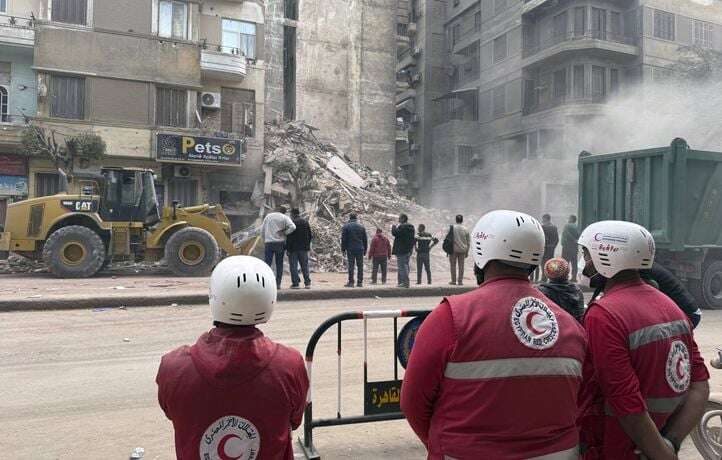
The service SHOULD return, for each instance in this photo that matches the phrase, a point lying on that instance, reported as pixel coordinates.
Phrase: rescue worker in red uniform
(235, 394)
(496, 373)
(647, 381)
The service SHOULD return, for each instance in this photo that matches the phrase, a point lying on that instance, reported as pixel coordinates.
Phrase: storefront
(13, 182)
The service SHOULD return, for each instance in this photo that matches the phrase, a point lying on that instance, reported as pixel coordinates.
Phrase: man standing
(235, 393)
(551, 240)
(298, 243)
(570, 248)
(460, 252)
(379, 254)
(276, 226)
(424, 243)
(513, 397)
(403, 247)
(650, 382)
(354, 245)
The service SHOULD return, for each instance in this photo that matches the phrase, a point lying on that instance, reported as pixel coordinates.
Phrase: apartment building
(166, 84)
(331, 64)
(521, 76)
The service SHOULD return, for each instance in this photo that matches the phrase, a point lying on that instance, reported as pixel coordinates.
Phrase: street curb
(40, 304)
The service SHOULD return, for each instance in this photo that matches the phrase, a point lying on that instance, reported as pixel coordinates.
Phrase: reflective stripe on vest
(513, 367)
(657, 332)
(656, 405)
(569, 454)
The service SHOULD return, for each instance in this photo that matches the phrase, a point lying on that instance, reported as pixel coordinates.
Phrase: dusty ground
(72, 387)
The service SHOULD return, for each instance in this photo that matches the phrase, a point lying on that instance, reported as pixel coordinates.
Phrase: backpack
(448, 244)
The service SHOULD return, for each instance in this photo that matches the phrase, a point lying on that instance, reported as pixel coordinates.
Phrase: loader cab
(129, 196)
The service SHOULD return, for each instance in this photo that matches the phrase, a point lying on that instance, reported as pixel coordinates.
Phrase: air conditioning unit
(416, 51)
(211, 100)
(416, 78)
(182, 171)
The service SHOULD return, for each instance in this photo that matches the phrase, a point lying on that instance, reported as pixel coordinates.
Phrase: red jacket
(234, 393)
(380, 247)
(495, 374)
(643, 358)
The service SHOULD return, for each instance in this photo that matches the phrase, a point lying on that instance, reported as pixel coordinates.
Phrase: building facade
(172, 85)
(521, 77)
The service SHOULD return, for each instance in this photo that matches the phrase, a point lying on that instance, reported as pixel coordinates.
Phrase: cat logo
(79, 205)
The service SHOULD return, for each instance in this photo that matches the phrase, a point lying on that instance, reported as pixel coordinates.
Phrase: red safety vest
(511, 384)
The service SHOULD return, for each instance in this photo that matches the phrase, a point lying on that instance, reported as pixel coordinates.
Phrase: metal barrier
(380, 394)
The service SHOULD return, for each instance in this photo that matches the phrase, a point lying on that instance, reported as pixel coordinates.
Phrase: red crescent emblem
(222, 448)
(680, 368)
(530, 323)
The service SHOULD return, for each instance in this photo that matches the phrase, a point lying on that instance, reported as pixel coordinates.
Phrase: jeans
(422, 260)
(457, 258)
(275, 250)
(379, 262)
(295, 258)
(402, 260)
(358, 260)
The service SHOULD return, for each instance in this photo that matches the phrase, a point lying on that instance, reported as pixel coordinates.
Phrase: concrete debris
(327, 186)
(18, 264)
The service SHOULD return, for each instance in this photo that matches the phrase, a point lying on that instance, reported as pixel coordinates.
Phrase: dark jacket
(403, 239)
(551, 236)
(673, 288)
(299, 239)
(353, 238)
(425, 242)
(570, 241)
(567, 295)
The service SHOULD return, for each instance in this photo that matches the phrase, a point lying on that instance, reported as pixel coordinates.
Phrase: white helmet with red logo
(616, 245)
(512, 237)
(242, 291)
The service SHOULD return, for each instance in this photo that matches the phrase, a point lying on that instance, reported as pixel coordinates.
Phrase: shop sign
(194, 149)
(14, 185)
(12, 165)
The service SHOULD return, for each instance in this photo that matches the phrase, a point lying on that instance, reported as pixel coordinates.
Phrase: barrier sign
(195, 149)
(406, 339)
(382, 397)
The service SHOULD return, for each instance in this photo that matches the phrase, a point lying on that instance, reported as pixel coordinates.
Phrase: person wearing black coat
(404, 240)
(354, 244)
(298, 243)
(567, 295)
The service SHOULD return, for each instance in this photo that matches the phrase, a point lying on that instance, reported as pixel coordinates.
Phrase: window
(580, 21)
(560, 26)
(170, 107)
(663, 25)
(173, 19)
(579, 81)
(500, 51)
(560, 84)
(615, 26)
(69, 11)
(499, 101)
(464, 159)
(477, 21)
(291, 9)
(239, 37)
(455, 34)
(46, 184)
(4, 115)
(599, 84)
(702, 34)
(499, 6)
(599, 24)
(613, 80)
(238, 111)
(3, 6)
(67, 97)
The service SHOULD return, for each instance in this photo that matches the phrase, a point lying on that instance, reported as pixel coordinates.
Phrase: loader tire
(191, 251)
(74, 252)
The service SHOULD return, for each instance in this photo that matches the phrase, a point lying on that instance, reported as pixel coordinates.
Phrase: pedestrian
(551, 240)
(513, 397)
(298, 243)
(567, 295)
(664, 280)
(403, 247)
(276, 226)
(570, 248)
(354, 245)
(424, 243)
(379, 253)
(235, 393)
(650, 382)
(457, 257)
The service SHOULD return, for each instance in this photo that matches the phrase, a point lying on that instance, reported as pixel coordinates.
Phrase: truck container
(676, 193)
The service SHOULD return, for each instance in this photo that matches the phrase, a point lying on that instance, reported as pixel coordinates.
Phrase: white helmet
(616, 245)
(509, 236)
(242, 291)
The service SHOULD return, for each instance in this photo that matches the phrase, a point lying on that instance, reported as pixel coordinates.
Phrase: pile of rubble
(327, 186)
(15, 264)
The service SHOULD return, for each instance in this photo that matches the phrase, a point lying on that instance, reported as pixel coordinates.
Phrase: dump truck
(676, 193)
(111, 216)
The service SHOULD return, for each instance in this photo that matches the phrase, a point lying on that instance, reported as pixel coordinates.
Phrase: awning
(457, 93)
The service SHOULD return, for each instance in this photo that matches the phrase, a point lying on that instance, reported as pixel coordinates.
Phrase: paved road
(71, 386)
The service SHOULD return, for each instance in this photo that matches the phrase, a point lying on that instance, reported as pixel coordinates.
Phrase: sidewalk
(41, 291)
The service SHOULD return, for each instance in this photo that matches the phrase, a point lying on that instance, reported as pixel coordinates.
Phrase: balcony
(402, 132)
(405, 95)
(11, 131)
(583, 104)
(17, 31)
(223, 64)
(531, 5)
(604, 42)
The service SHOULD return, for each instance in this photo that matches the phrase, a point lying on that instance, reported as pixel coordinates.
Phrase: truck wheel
(74, 252)
(191, 251)
(711, 285)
